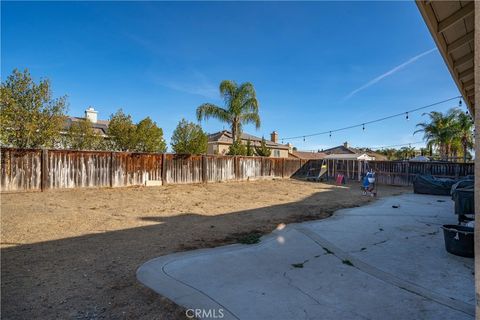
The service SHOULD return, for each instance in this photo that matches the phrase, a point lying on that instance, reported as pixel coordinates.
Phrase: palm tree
(425, 151)
(241, 107)
(407, 152)
(440, 132)
(389, 153)
(464, 132)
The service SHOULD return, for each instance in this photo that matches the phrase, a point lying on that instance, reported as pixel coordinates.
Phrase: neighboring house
(219, 143)
(420, 159)
(346, 152)
(99, 126)
(306, 155)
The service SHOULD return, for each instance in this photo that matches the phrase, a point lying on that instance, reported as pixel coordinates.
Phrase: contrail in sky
(389, 73)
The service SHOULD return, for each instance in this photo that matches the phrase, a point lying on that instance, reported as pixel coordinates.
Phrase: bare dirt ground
(73, 254)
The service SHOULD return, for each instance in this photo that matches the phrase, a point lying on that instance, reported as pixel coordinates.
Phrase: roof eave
(432, 24)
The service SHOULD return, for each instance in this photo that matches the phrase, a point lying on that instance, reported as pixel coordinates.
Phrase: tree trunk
(464, 153)
(235, 130)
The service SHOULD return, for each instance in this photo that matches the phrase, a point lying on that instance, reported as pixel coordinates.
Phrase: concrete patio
(371, 262)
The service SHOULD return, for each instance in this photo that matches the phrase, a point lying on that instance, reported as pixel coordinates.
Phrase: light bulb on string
(330, 135)
(363, 126)
(303, 139)
(406, 115)
(459, 103)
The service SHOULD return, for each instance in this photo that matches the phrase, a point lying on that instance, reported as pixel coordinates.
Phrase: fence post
(44, 170)
(358, 170)
(283, 168)
(111, 170)
(408, 173)
(164, 169)
(204, 169)
(262, 167)
(236, 165)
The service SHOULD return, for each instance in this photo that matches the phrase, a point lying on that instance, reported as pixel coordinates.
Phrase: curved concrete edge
(175, 290)
(184, 294)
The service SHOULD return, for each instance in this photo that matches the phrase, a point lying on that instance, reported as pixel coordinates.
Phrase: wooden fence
(32, 169)
(399, 173)
(403, 172)
(24, 170)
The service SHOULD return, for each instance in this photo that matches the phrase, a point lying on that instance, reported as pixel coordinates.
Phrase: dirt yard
(73, 254)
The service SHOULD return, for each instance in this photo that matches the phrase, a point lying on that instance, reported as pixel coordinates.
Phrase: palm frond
(209, 110)
(250, 105)
(251, 118)
(228, 91)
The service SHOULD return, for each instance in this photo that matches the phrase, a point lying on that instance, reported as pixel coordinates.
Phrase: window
(276, 153)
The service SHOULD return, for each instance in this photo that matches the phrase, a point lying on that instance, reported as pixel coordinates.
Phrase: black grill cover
(426, 184)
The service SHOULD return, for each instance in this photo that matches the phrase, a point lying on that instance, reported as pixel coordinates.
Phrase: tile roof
(101, 126)
(307, 155)
(226, 137)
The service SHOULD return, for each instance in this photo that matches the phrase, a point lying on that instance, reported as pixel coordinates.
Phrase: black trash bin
(459, 240)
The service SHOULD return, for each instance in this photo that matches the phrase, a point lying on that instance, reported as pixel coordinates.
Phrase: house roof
(225, 137)
(101, 126)
(452, 26)
(307, 155)
(349, 156)
(342, 149)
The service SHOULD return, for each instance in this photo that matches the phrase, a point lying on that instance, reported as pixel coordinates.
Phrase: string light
(398, 145)
(459, 103)
(363, 127)
(373, 121)
(303, 139)
(407, 115)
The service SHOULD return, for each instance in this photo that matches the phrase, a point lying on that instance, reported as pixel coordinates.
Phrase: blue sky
(316, 66)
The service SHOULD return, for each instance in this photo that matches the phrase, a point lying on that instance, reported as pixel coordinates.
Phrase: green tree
(148, 137)
(390, 153)
(189, 137)
(29, 116)
(407, 152)
(237, 149)
(250, 152)
(425, 152)
(124, 135)
(464, 132)
(451, 133)
(82, 136)
(241, 107)
(263, 150)
(440, 131)
(121, 132)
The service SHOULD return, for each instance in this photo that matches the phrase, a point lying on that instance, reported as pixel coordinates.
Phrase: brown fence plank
(183, 168)
(21, 170)
(220, 168)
